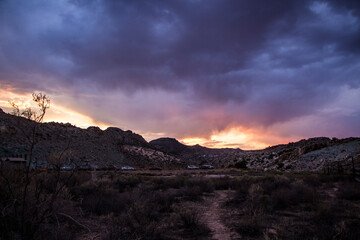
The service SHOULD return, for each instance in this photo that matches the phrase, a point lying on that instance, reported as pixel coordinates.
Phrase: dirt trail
(212, 211)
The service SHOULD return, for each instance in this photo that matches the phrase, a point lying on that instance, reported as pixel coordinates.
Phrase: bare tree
(27, 204)
(43, 103)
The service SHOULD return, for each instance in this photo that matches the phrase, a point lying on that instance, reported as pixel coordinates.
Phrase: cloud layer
(190, 68)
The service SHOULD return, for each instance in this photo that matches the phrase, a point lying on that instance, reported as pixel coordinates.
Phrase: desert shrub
(189, 218)
(50, 183)
(271, 183)
(350, 231)
(61, 232)
(330, 224)
(205, 185)
(255, 202)
(295, 194)
(127, 183)
(191, 193)
(151, 212)
(241, 164)
(280, 165)
(349, 191)
(166, 183)
(313, 147)
(281, 199)
(272, 193)
(249, 227)
(82, 177)
(130, 226)
(332, 178)
(312, 180)
(176, 182)
(23, 216)
(140, 220)
(69, 179)
(222, 183)
(165, 199)
(101, 200)
(324, 220)
(242, 185)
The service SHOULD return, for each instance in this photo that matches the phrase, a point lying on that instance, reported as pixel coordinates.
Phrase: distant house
(21, 160)
(13, 162)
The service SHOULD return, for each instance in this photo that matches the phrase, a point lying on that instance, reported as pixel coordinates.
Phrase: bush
(223, 183)
(190, 222)
(189, 218)
(295, 194)
(249, 227)
(349, 191)
(205, 185)
(312, 180)
(191, 193)
(130, 226)
(241, 164)
(271, 183)
(101, 200)
(127, 183)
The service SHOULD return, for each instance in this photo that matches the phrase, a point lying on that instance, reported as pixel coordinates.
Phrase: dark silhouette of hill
(112, 147)
(115, 147)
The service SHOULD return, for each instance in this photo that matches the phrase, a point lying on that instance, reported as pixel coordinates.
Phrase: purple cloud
(213, 63)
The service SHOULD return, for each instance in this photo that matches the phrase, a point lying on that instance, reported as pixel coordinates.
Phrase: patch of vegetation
(128, 206)
(241, 165)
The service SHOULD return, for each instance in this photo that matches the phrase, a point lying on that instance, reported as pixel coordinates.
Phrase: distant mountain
(312, 154)
(197, 154)
(114, 147)
(169, 145)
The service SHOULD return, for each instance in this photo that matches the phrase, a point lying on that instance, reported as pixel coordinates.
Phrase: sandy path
(211, 215)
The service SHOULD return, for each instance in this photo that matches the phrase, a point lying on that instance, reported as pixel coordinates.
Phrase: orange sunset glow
(235, 137)
(229, 79)
(179, 119)
(56, 113)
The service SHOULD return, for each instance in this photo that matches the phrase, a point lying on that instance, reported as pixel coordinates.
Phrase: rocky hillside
(110, 148)
(114, 147)
(313, 154)
(197, 154)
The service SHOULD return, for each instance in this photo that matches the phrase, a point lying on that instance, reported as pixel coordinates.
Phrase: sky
(220, 73)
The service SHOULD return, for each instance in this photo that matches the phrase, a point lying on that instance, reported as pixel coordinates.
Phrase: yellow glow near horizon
(56, 113)
(236, 137)
(62, 114)
(193, 141)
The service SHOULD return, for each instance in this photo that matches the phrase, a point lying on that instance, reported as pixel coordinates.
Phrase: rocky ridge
(313, 154)
(113, 148)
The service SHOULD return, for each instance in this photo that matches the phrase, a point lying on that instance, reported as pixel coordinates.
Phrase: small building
(22, 160)
(13, 162)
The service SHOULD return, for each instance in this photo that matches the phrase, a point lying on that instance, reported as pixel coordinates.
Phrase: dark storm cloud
(274, 61)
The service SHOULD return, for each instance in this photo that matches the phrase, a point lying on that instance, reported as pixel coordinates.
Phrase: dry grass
(153, 207)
